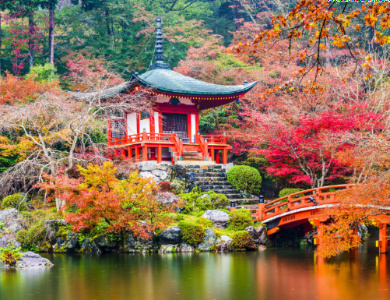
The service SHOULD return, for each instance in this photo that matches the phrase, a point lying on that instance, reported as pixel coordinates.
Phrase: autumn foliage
(16, 90)
(99, 197)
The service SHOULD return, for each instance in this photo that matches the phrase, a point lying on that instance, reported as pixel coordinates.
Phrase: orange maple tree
(16, 90)
(99, 198)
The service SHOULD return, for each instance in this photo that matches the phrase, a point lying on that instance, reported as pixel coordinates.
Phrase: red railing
(178, 144)
(164, 137)
(215, 139)
(139, 138)
(203, 145)
(321, 196)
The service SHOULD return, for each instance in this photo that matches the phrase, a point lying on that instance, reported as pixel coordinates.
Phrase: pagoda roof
(171, 83)
(168, 81)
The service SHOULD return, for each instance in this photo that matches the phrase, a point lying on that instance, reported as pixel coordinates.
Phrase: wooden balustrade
(320, 196)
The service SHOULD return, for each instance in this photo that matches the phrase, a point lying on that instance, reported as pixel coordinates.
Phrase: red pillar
(224, 156)
(144, 153)
(217, 157)
(159, 154)
(212, 153)
(383, 239)
(137, 154)
(260, 214)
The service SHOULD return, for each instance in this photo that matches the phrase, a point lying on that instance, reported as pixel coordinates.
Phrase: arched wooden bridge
(305, 207)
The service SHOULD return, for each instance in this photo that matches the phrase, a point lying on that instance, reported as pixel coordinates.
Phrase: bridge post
(260, 208)
(232, 205)
(383, 243)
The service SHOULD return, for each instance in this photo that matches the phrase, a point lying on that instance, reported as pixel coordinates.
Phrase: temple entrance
(176, 123)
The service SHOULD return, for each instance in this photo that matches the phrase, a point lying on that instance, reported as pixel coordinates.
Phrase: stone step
(221, 183)
(218, 167)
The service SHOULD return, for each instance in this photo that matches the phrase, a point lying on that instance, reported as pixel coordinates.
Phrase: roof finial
(159, 48)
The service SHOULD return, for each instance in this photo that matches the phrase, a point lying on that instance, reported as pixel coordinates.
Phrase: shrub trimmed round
(240, 219)
(244, 178)
(14, 201)
(242, 240)
(192, 233)
(289, 191)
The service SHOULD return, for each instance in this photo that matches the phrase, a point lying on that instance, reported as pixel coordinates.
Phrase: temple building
(171, 131)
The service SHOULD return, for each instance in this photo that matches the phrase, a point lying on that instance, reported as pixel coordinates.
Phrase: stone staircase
(214, 178)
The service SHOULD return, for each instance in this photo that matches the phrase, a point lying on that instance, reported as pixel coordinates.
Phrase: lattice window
(176, 123)
(117, 128)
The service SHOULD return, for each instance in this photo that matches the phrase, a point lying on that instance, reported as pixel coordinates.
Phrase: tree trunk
(31, 41)
(327, 57)
(51, 35)
(107, 13)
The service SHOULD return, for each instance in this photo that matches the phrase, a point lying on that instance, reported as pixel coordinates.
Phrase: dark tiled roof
(169, 81)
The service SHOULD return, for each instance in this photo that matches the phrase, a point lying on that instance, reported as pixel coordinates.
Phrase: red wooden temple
(171, 131)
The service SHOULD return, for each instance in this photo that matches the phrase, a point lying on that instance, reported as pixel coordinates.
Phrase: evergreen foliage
(245, 178)
(192, 233)
(240, 219)
(15, 201)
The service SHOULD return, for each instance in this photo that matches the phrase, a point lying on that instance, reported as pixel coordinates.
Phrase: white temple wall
(131, 124)
(156, 122)
(193, 127)
(144, 124)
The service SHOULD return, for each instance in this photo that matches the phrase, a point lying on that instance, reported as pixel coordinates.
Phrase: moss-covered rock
(240, 219)
(242, 240)
(192, 233)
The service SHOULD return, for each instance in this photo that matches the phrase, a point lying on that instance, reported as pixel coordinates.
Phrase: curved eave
(240, 90)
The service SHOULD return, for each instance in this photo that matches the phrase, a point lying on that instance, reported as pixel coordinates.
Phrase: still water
(273, 274)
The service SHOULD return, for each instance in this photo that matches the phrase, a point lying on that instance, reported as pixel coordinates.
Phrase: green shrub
(1, 225)
(179, 187)
(179, 217)
(29, 238)
(289, 191)
(218, 200)
(244, 178)
(15, 201)
(242, 240)
(9, 255)
(206, 223)
(240, 219)
(197, 201)
(192, 233)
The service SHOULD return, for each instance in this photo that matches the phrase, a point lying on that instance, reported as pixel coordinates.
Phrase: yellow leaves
(323, 47)
(357, 27)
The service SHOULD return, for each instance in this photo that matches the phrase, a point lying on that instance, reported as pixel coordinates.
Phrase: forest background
(318, 116)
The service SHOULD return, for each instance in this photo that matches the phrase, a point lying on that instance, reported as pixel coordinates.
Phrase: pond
(288, 273)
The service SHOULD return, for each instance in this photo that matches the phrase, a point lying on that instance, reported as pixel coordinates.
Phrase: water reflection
(273, 274)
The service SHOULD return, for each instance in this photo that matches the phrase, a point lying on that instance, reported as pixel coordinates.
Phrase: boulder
(220, 218)
(170, 236)
(185, 248)
(167, 198)
(161, 175)
(259, 235)
(72, 244)
(209, 241)
(362, 231)
(147, 165)
(223, 243)
(12, 220)
(105, 244)
(147, 174)
(7, 239)
(89, 246)
(31, 260)
(52, 226)
(168, 249)
(136, 245)
(164, 166)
